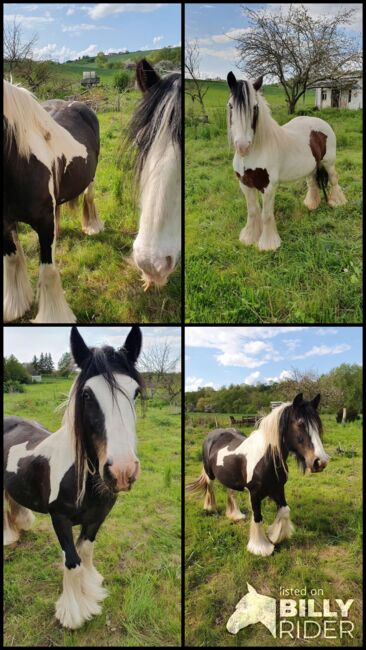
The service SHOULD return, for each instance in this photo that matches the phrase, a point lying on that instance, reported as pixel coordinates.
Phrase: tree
(15, 49)
(158, 363)
(121, 80)
(35, 365)
(195, 89)
(15, 371)
(296, 48)
(100, 59)
(48, 364)
(34, 73)
(65, 365)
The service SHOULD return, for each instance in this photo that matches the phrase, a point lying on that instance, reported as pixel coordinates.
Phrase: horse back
(18, 430)
(78, 119)
(232, 472)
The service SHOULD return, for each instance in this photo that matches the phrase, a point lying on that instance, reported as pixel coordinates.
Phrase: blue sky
(218, 356)
(215, 25)
(70, 30)
(25, 342)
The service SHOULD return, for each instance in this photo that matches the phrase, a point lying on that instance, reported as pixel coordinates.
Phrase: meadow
(137, 550)
(324, 552)
(316, 274)
(100, 283)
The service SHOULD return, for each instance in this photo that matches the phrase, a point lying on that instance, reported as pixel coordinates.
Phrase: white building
(340, 93)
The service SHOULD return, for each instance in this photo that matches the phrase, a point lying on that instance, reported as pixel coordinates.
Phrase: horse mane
(269, 425)
(158, 117)
(103, 361)
(24, 115)
(267, 130)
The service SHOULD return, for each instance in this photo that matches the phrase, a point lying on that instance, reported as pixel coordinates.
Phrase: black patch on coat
(318, 145)
(257, 178)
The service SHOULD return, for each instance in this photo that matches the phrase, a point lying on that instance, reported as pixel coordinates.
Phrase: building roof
(343, 82)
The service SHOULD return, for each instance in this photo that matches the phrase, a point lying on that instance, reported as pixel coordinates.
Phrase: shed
(90, 78)
(345, 92)
(275, 404)
(36, 379)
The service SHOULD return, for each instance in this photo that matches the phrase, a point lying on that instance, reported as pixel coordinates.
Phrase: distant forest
(340, 387)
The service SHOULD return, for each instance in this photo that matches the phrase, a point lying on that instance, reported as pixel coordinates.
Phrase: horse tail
(322, 179)
(201, 485)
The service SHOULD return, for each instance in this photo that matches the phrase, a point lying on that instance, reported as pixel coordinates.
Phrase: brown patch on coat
(257, 178)
(318, 144)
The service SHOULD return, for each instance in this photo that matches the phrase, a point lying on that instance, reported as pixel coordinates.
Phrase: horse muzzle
(124, 474)
(319, 464)
(155, 269)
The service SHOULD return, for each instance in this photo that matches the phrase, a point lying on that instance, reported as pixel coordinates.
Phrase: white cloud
(157, 39)
(228, 54)
(285, 374)
(324, 331)
(195, 383)
(29, 21)
(323, 350)
(292, 344)
(101, 10)
(83, 27)
(252, 379)
(61, 54)
(70, 12)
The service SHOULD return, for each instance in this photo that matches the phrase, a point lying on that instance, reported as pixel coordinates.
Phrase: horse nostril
(317, 464)
(109, 462)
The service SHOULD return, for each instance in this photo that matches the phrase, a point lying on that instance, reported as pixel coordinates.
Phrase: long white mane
(269, 425)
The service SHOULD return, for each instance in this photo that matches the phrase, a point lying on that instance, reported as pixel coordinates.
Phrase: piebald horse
(156, 130)
(75, 474)
(50, 157)
(267, 154)
(258, 464)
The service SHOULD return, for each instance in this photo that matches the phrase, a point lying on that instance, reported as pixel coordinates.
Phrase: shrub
(13, 387)
(121, 80)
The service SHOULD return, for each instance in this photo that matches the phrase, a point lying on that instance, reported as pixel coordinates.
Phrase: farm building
(36, 379)
(339, 93)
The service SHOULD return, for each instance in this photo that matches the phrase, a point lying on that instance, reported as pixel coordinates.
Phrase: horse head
(243, 113)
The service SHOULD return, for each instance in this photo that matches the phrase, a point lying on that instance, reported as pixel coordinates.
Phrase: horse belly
(232, 473)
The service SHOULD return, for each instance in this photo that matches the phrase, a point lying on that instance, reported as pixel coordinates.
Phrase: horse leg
(209, 503)
(91, 223)
(74, 606)
(232, 509)
(259, 543)
(312, 199)
(336, 196)
(92, 580)
(18, 293)
(282, 526)
(253, 229)
(11, 531)
(52, 307)
(269, 239)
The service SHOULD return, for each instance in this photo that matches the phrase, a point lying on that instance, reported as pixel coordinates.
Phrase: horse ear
(315, 401)
(250, 588)
(257, 84)
(133, 342)
(79, 349)
(298, 400)
(231, 80)
(146, 75)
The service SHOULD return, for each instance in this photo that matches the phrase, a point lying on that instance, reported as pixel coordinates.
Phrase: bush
(121, 80)
(351, 415)
(13, 387)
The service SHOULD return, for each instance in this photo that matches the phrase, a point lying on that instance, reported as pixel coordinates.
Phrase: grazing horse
(75, 474)
(266, 154)
(258, 463)
(156, 130)
(50, 155)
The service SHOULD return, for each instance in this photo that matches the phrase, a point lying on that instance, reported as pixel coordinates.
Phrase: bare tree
(159, 365)
(310, 383)
(195, 89)
(35, 73)
(16, 49)
(298, 49)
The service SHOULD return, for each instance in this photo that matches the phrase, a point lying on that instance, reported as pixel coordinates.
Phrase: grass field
(138, 549)
(315, 276)
(99, 282)
(324, 552)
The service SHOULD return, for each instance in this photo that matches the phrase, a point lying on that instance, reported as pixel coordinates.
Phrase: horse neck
(269, 133)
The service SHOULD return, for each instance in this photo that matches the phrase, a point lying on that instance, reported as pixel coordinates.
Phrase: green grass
(324, 552)
(100, 283)
(138, 548)
(315, 276)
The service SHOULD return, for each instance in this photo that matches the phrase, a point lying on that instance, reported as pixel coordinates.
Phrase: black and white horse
(267, 154)
(75, 473)
(156, 129)
(50, 157)
(258, 463)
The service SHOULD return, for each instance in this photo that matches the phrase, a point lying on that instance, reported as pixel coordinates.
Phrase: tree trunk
(291, 105)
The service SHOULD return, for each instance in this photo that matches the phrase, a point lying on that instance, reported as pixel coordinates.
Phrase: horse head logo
(251, 609)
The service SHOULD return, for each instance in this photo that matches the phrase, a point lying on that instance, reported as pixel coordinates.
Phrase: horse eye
(300, 439)
(86, 395)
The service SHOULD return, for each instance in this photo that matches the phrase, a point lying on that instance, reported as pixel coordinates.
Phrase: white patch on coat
(18, 293)
(259, 543)
(119, 414)
(282, 526)
(52, 307)
(317, 443)
(77, 604)
(57, 448)
(252, 448)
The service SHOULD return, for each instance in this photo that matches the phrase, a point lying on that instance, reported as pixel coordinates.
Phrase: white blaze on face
(317, 443)
(119, 420)
(241, 128)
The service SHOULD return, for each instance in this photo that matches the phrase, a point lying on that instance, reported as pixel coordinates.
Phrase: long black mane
(103, 361)
(311, 419)
(150, 113)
